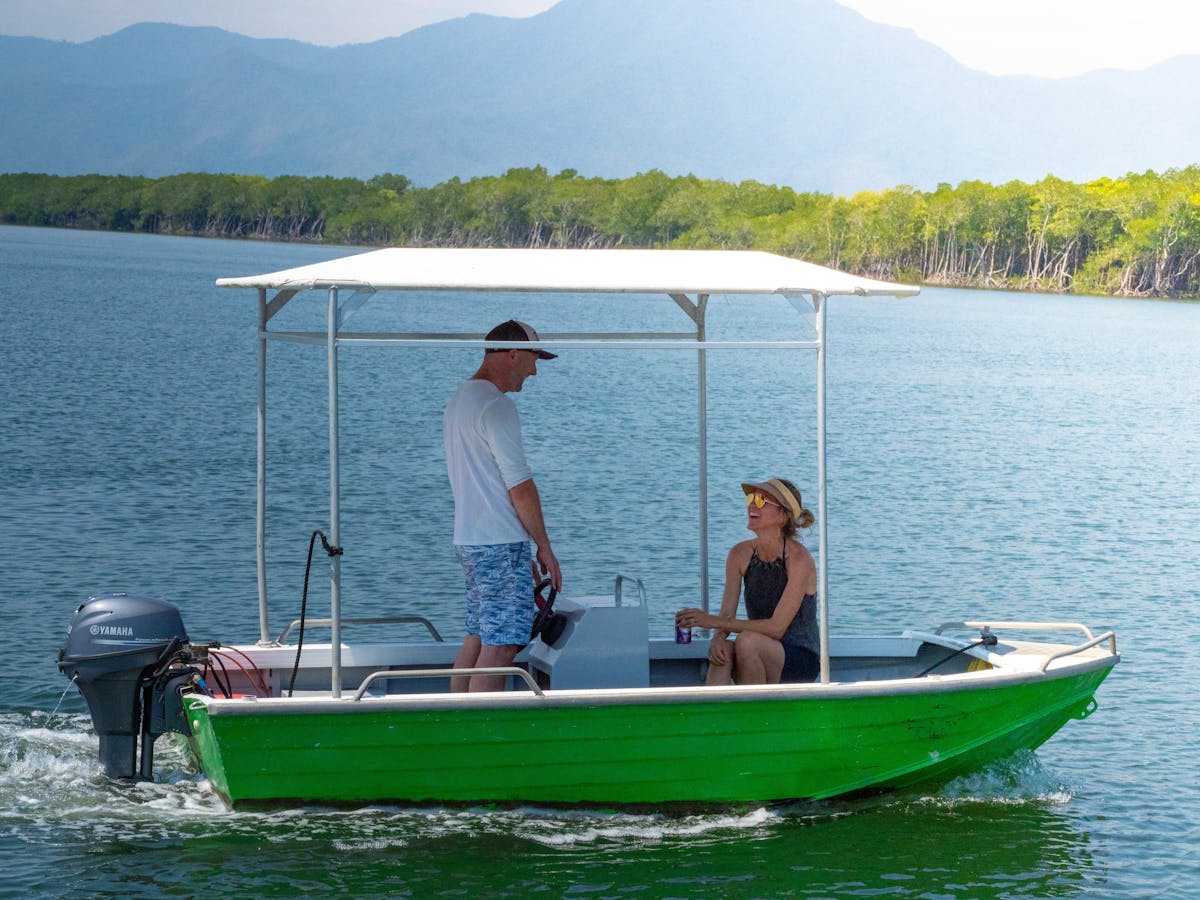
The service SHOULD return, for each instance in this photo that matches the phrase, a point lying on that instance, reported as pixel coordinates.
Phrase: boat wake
(558, 828)
(49, 775)
(51, 784)
(1021, 778)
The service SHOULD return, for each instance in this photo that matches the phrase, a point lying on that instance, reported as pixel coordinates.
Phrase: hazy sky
(1034, 37)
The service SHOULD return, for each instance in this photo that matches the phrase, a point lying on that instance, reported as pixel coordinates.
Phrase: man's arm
(528, 504)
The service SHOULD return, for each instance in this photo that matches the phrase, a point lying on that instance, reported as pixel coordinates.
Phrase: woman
(779, 641)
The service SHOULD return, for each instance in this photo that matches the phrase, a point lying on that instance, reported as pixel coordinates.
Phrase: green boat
(602, 714)
(645, 745)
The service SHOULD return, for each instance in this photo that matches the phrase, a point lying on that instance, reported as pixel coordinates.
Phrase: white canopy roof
(573, 271)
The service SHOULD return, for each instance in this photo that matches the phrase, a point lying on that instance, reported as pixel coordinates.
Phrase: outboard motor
(120, 651)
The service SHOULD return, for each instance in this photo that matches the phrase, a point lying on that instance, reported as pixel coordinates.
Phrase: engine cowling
(115, 646)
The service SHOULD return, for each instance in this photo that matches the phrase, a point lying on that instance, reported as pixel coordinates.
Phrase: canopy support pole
(702, 427)
(695, 312)
(260, 532)
(822, 531)
(335, 501)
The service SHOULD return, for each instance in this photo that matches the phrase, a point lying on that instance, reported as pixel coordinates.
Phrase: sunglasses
(759, 499)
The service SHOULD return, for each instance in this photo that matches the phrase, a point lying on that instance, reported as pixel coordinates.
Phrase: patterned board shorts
(500, 605)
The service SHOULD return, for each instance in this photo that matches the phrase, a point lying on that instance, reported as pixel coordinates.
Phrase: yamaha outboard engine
(119, 651)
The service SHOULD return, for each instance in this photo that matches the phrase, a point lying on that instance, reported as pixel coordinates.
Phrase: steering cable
(331, 551)
(986, 639)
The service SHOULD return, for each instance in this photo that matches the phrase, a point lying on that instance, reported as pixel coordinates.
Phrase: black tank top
(764, 584)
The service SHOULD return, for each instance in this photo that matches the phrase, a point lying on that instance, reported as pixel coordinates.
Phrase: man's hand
(548, 563)
(528, 505)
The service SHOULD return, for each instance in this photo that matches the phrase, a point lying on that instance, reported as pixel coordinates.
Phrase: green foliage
(1137, 235)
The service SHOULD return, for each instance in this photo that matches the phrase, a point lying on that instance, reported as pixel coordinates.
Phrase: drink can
(683, 635)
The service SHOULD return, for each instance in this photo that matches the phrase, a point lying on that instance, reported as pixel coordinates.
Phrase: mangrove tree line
(1137, 235)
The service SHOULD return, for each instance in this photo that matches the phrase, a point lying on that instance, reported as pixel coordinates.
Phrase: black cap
(517, 332)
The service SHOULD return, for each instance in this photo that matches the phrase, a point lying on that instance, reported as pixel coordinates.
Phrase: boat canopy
(573, 271)
(689, 277)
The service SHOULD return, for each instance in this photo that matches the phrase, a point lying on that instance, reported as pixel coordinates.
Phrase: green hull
(670, 748)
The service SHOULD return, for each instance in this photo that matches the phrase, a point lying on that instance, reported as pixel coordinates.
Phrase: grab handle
(386, 674)
(621, 579)
(386, 620)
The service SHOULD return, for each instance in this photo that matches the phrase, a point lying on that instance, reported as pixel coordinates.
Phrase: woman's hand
(695, 618)
(720, 650)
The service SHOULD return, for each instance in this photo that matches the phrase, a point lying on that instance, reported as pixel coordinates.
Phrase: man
(497, 510)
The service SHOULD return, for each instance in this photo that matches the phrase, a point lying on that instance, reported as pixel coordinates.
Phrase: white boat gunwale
(1016, 662)
(690, 694)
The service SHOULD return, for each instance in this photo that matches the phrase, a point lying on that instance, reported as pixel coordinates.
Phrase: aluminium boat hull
(689, 745)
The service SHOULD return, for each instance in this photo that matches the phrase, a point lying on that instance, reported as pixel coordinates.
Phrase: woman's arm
(734, 570)
(720, 651)
(735, 567)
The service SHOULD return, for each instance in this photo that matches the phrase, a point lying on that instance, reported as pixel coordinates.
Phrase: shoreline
(938, 284)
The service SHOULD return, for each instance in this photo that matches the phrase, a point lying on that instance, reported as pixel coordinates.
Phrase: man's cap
(780, 492)
(517, 332)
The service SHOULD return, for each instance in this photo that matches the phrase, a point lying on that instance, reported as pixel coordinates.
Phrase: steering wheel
(546, 622)
(537, 594)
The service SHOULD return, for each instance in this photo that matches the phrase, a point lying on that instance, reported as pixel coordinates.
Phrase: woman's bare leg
(719, 675)
(759, 659)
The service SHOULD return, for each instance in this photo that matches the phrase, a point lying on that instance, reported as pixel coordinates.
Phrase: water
(991, 455)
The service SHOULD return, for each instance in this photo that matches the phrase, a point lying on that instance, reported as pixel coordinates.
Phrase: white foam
(1021, 778)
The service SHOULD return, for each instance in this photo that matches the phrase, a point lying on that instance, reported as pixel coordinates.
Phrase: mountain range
(804, 93)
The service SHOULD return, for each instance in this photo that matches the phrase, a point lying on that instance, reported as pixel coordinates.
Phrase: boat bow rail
(1018, 654)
